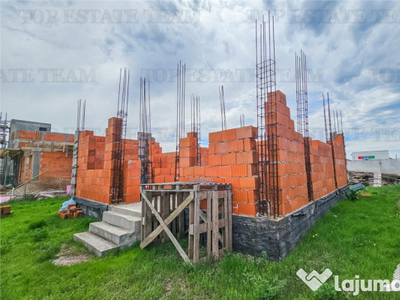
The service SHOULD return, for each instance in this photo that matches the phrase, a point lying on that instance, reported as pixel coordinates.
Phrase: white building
(370, 155)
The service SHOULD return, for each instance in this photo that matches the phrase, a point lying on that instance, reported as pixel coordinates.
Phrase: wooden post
(196, 222)
(228, 221)
(146, 220)
(165, 207)
(215, 225)
(209, 224)
(181, 220)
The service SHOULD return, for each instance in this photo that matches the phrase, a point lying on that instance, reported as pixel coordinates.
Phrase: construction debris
(72, 212)
(69, 210)
(5, 211)
(367, 178)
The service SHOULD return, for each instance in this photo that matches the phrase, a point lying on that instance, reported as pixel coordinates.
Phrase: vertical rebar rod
(331, 136)
(325, 120)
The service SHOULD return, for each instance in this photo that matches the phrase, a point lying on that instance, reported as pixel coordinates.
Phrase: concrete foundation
(255, 235)
(91, 208)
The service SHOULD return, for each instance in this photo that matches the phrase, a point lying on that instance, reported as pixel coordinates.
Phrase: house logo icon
(314, 280)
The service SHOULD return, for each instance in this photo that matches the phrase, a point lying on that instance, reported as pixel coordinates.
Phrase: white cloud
(356, 60)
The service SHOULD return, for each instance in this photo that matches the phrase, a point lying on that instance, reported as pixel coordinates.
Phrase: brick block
(239, 170)
(247, 209)
(211, 171)
(224, 171)
(235, 183)
(249, 157)
(246, 132)
(236, 146)
(228, 135)
(29, 135)
(54, 137)
(214, 160)
(221, 148)
(248, 183)
(188, 171)
(228, 159)
(215, 137)
(250, 145)
(199, 171)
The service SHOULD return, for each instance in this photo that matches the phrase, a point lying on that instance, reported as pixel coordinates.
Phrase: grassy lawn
(354, 238)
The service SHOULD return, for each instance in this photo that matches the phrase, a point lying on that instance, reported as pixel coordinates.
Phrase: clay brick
(224, 171)
(132, 182)
(211, 149)
(54, 137)
(212, 171)
(221, 148)
(235, 183)
(248, 183)
(29, 135)
(247, 209)
(187, 161)
(240, 196)
(188, 171)
(214, 160)
(228, 159)
(252, 170)
(249, 145)
(246, 132)
(183, 143)
(188, 152)
(228, 135)
(215, 137)
(199, 171)
(239, 170)
(246, 157)
(236, 146)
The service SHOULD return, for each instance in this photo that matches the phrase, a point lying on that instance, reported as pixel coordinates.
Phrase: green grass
(354, 238)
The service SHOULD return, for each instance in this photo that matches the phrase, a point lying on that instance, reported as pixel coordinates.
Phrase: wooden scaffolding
(208, 218)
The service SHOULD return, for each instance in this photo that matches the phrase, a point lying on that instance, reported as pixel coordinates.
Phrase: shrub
(351, 195)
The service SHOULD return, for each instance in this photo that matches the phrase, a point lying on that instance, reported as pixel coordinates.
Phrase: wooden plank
(181, 220)
(191, 236)
(226, 217)
(196, 223)
(166, 229)
(209, 224)
(228, 224)
(215, 230)
(173, 223)
(168, 220)
(146, 220)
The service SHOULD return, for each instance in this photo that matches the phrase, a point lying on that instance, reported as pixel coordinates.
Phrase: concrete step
(94, 243)
(121, 220)
(132, 209)
(116, 235)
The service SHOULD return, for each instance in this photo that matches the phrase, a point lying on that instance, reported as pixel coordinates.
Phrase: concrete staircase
(120, 227)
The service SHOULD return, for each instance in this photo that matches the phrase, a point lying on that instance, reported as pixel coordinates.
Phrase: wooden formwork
(210, 216)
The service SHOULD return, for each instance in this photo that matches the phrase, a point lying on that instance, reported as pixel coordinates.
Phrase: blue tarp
(66, 203)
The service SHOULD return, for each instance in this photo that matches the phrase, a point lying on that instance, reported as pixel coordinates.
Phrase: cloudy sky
(56, 52)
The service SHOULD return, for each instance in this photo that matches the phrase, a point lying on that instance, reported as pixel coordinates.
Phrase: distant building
(370, 155)
(373, 162)
(34, 151)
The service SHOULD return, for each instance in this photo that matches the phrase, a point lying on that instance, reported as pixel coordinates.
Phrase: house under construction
(34, 152)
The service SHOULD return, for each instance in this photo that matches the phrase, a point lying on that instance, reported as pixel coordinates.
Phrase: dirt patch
(181, 284)
(70, 260)
(66, 257)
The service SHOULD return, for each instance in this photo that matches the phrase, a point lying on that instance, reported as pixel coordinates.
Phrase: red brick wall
(321, 169)
(28, 135)
(56, 165)
(292, 178)
(231, 158)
